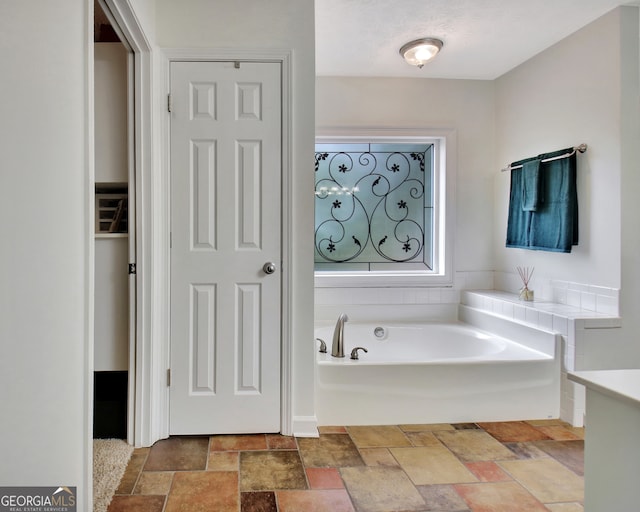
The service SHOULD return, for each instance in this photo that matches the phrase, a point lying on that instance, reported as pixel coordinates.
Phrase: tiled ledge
(540, 313)
(576, 326)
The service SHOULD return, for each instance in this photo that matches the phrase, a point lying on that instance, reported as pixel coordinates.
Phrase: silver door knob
(269, 267)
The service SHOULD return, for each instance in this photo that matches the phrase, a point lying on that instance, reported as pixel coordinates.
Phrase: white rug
(110, 459)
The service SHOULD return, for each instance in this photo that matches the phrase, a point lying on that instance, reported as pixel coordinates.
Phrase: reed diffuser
(525, 274)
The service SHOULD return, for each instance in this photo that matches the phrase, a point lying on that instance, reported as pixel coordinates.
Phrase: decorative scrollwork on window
(370, 205)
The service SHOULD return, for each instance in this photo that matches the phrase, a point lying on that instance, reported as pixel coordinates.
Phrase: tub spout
(337, 348)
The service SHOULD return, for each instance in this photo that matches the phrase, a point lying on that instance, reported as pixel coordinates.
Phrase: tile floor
(508, 466)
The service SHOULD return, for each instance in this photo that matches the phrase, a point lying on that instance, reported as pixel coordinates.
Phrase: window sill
(381, 280)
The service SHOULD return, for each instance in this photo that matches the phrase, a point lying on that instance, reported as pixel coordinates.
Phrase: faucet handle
(354, 352)
(323, 345)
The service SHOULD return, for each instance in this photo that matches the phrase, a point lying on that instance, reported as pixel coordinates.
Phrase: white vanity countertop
(619, 384)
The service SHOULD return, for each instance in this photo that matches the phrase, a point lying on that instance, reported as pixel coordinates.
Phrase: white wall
(630, 177)
(111, 281)
(111, 338)
(567, 95)
(45, 264)
(277, 24)
(145, 11)
(463, 105)
(110, 72)
(251, 24)
(584, 89)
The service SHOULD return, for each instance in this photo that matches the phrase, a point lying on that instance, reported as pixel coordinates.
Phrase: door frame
(146, 403)
(284, 58)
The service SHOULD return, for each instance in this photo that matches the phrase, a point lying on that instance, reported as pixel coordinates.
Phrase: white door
(225, 229)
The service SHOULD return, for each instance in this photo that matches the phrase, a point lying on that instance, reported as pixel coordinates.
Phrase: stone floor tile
(487, 471)
(238, 442)
(488, 467)
(329, 450)
(154, 483)
(546, 423)
(263, 501)
(547, 479)
(384, 436)
(203, 491)
(271, 470)
(569, 453)
(558, 432)
(474, 445)
(279, 442)
(329, 500)
(184, 453)
(332, 429)
(513, 431)
(578, 431)
(526, 450)
(324, 478)
(132, 471)
(430, 427)
(223, 461)
(442, 498)
(565, 507)
(423, 438)
(136, 504)
(465, 426)
(428, 465)
(499, 497)
(378, 457)
(381, 489)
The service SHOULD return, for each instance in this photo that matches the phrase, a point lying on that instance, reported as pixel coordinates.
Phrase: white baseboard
(305, 426)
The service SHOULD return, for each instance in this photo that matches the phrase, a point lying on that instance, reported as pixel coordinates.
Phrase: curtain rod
(581, 148)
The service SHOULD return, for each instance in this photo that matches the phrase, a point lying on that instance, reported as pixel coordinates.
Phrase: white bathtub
(439, 373)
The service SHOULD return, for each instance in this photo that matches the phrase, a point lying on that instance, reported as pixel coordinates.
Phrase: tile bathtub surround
(465, 467)
(589, 297)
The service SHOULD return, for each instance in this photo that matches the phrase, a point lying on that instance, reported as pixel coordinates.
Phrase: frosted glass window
(374, 206)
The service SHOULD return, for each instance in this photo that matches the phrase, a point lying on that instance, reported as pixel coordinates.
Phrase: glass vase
(526, 294)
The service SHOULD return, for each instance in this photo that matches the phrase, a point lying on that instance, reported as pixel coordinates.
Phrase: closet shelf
(111, 210)
(111, 235)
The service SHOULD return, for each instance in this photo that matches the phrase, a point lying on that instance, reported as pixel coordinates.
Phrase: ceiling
(483, 39)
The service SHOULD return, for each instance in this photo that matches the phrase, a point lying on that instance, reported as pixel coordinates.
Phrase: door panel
(225, 223)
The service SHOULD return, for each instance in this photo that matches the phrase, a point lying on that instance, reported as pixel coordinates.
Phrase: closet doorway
(115, 243)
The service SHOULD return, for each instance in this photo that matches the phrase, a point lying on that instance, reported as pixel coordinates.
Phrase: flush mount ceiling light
(421, 51)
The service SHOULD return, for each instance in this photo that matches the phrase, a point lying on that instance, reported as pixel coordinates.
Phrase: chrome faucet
(337, 348)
